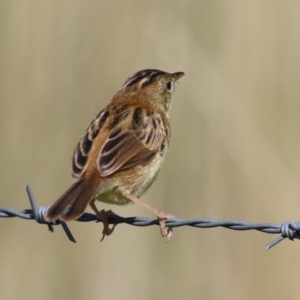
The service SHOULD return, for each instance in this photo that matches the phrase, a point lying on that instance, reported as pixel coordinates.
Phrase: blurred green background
(235, 148)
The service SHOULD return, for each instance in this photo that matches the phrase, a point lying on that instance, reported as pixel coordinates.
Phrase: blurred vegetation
(235, 149)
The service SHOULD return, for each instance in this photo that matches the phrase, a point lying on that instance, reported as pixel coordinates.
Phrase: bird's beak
(177, 75)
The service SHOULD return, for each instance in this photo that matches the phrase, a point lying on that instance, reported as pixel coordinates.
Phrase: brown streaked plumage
(122, 151)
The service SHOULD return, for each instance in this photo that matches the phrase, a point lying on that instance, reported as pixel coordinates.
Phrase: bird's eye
(170, 86)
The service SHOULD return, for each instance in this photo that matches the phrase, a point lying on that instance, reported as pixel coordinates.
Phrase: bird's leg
(102, 216)
(161, 216)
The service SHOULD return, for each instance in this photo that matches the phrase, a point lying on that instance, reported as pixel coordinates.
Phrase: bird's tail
(72, 204)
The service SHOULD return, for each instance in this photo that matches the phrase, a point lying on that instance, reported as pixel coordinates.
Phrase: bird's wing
(84, 146)
(134, 140)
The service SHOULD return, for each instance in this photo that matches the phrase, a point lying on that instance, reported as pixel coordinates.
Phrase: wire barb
(39, 215)
(290, 230)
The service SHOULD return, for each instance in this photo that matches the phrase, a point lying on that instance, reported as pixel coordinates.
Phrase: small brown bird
(122, 151)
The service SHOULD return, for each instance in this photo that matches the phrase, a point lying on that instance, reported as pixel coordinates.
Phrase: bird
(122, 151)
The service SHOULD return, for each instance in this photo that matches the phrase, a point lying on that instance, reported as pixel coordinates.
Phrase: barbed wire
(290, 230)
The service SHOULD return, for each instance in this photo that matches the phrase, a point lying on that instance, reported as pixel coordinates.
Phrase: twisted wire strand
(290, 230)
